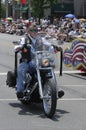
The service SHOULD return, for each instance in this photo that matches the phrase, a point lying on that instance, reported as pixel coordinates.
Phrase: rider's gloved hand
(56, 48)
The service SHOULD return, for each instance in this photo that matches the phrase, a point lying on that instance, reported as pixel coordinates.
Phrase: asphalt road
(71, 109)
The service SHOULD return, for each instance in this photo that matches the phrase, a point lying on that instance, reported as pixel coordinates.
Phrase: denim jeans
(21, 74)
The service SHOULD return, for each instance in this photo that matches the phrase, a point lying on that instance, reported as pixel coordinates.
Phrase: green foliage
(0, 9)
(51, 2)
(3, 10)
(38, 6)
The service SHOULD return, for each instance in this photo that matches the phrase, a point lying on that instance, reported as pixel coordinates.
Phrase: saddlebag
(11, 79)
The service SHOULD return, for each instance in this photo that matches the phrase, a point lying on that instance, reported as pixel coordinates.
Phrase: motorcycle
(42, 86)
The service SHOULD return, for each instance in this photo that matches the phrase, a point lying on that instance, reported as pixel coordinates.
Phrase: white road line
(73, 99)
(73, 85)
(70, 72)
(63, 99)
(8, 99)
(57, 72)
(3, 73)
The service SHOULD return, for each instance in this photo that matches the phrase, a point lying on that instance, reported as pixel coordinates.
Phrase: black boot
(19, 95)
(60, 93)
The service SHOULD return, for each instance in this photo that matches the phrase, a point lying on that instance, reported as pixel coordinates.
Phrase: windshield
(39, 45)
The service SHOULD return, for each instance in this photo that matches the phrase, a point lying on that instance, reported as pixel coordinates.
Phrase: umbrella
(82, 19)
(9, 18)
(69, 16)
(77, 21)
(26, 21)
(31, 18)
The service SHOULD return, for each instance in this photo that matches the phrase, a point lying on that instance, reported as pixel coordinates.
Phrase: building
(63, 7)
(79, 8)
(16, 9)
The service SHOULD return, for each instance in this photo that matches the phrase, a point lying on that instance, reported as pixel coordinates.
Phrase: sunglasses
(34, 30)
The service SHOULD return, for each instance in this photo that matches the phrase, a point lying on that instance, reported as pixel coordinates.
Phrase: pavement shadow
(59, 113)
(79, 76)
(36, 109)
(28, 109)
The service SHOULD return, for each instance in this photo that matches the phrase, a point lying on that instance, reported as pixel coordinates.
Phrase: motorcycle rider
(28, 64)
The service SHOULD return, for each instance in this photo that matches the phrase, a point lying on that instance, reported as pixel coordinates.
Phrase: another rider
(27, 63)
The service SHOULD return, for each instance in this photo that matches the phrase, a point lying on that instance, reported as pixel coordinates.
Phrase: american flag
(76, 55)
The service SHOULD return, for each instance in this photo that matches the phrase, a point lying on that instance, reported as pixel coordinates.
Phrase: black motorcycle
(42, 86)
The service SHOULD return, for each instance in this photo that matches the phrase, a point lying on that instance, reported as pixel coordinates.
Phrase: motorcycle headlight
(45, 62)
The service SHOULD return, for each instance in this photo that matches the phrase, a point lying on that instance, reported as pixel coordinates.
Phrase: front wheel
(49, 98)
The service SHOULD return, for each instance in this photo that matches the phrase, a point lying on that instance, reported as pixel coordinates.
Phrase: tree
(38, 6)
(51, 2)
(3, 9)
(0, 9)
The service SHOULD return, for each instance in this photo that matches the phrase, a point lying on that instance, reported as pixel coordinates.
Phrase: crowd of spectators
(63, 29)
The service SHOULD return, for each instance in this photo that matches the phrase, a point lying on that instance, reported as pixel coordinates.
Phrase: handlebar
(15, 67)
(61, 61)
(61, 58)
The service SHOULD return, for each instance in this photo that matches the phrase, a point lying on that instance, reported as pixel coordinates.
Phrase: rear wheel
(49, 98)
